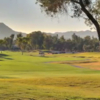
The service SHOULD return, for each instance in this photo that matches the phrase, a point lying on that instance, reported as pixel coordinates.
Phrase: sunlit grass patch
(81, 87)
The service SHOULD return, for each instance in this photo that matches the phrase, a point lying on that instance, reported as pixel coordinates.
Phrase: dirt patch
(95, 65)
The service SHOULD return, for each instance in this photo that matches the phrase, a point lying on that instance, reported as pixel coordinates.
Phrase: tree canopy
(88, 9)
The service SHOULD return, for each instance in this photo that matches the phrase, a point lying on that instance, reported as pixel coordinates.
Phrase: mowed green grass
(30, 77)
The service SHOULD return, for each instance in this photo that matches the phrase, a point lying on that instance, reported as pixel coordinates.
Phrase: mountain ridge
(6, 31)
(82, 34)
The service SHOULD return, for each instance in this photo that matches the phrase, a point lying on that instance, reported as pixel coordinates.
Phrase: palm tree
(11, 40)
(1, 44)
(22, 43)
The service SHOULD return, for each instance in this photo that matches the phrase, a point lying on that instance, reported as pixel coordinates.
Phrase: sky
(26, 16)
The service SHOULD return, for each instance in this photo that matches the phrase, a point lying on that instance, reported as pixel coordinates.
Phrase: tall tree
(11, 40)
(19, 35)
(47, 43)
(36, 39)
(1, 44)
(7, 42)
(78, 7)
(22, 43)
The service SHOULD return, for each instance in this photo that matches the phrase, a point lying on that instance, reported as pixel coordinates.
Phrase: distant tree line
(39, 40)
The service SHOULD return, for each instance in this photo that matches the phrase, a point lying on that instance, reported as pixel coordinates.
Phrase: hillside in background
(82, 34)
(5, 31)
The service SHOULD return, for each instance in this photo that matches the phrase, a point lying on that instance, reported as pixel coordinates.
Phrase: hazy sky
(26, 16)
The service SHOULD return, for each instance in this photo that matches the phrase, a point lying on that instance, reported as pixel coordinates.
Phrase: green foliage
(40, 40)
(36, 39)
(53, 7)
(58, 6)
(2, 44)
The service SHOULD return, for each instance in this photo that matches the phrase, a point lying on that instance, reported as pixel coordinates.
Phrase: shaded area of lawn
(5, 56)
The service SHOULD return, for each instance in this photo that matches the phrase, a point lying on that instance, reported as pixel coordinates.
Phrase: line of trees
(39, 40)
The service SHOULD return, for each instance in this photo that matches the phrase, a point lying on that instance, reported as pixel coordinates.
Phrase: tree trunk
(90, 16)
(98, 30)
(22, 52)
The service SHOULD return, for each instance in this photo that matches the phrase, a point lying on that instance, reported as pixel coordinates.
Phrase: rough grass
(30, 77)
(63, 88)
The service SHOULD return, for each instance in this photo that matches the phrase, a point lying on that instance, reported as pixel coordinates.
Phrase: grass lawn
(53, 77)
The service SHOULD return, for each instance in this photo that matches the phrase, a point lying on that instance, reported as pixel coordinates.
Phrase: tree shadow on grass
(5, 56)
(9, 58)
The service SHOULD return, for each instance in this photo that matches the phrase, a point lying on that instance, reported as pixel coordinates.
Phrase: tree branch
(75, 1)
(90, 16)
